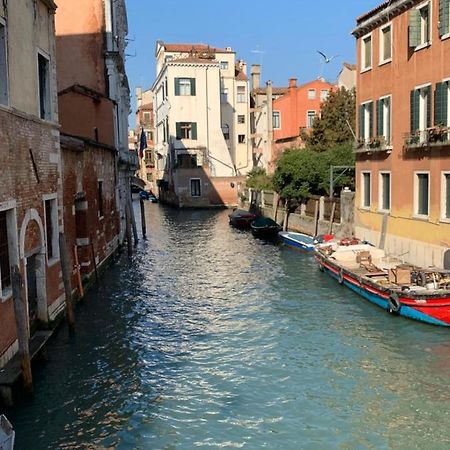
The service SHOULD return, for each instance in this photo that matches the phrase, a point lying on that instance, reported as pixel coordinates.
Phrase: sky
(282, 35)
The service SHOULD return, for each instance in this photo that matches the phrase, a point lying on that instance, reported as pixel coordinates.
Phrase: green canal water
(210, 338)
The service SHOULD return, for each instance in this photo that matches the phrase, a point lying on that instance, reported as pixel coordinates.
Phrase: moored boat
(303, 241)
(409, 291)
(240, 218)
(265, 227)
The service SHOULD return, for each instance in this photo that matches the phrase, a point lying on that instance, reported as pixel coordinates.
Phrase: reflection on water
(211, 338)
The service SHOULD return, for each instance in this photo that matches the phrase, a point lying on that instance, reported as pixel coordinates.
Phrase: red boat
(404, 290)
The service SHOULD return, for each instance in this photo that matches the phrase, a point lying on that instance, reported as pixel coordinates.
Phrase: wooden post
(316, 218)
(128, 229)
(133, 220)
(333, 211)
(276, 202)
(22, 328)
(144, 227)
(66, 273)
(286, 215)
(93, 257)
(78, 271)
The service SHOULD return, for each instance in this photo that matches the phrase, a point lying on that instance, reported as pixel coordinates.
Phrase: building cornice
(50, 4)
(373, 20)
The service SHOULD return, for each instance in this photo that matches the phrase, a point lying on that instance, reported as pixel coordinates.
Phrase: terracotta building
(30, 186)
(403, 151)
(96, 162)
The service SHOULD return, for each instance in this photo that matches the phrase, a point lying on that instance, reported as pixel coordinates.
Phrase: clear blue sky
(288, 32)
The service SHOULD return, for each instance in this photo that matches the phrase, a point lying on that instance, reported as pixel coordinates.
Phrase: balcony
(431, 137)
(372, 145)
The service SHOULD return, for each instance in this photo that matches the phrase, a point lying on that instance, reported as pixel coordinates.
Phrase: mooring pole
(66, 273)
(316, 218)
(333, 211)
(128, 229)
(144, 226)
(22, 328)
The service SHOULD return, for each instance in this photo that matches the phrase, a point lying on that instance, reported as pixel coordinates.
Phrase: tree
(336, 122)
(258, 179)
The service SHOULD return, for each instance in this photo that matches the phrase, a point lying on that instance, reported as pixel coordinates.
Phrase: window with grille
(5, 270)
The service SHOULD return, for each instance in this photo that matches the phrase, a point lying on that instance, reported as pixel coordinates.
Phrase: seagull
(325, 57)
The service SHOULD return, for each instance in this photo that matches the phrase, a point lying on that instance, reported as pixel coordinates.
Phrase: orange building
(294, 112)
(403, 150)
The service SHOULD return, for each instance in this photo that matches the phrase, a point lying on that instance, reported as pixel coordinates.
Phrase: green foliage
(332, 127)
(259, 180)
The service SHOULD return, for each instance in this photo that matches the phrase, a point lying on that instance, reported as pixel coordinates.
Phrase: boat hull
(298, 241)
(432, 308)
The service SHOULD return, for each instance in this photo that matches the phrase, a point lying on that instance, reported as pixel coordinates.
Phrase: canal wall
(317, 216)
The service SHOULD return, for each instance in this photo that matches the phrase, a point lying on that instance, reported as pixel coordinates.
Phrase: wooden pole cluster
(66, 273)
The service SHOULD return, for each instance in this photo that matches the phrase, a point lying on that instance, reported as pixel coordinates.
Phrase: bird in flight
(325, 57)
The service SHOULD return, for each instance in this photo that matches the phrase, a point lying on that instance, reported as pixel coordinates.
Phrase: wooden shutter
(192, 86)
(177, 87)
(387, 133)
(178, 126)
(429, 106)
(361, 121)
(444, 20)
(194, 131)
(441, 104)
(380, 130)
(370, 107)
(415, 105)
(414, 28)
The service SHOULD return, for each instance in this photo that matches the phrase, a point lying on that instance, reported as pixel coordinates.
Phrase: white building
(201, 104)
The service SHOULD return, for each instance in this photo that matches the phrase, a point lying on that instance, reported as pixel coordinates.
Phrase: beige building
(201, 106)
(347, 76)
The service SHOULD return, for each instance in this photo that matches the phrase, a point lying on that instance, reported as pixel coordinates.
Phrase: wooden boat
(240, 218)
(404, 290)
(301, 241)
(7, 434)
(264, 227)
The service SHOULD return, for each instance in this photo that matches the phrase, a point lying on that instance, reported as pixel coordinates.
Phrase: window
(311, 115)
(311, 94)
(149, 177)
(385, 191)
(421, 111)
(420, 26)
(241, 94)
(385, 44)
(444, 17)
(184, 86)
(445, 195)
(276, 119)
(366, 52)
(442, 105)
(241, 138)
(3, 65)
(224, 95)
(100, 198)
(324, 94)
(366, 121)
(241, 118)
(384, 119)
(186, 161)
(187, 130)
(5, 265)
(195, 187)
(226, 131)
(366, 189)
(44, 87)
(224, 65)
(146, 117)
(421, 193)
(51, 226)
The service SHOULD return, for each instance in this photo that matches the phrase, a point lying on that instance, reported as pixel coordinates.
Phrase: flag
(142, 144)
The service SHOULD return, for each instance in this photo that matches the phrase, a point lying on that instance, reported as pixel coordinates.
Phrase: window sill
(444, 220)
(53, 261)
(365, 208)
(421, 217)
(387, 61)
(422, 46)
(6, 295)
(445, 36)
(384, 211)
(367, 69)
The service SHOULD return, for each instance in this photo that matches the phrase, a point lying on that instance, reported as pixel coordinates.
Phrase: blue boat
(298, 241)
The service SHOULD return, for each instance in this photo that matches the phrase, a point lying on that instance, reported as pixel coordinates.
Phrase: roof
(275, 90)
(194, 48)
(193, 59)
(374, 10)
(349, 66)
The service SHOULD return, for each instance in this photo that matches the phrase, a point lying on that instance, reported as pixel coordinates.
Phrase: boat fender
(394, 303)
(341, 276)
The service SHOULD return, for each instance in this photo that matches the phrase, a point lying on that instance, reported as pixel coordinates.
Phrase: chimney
(292, 83)
(256, 76)
(243, 66)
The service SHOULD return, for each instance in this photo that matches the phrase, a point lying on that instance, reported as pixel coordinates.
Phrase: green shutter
(415, 105)
(192, 86)
(387, 101)
(361, 121)
(380, 130)
(194, 131)
(414, 28)
(429, 106)
(177, 86)
(441, 104)
(178, 130)
(444, 19)
(370, 106)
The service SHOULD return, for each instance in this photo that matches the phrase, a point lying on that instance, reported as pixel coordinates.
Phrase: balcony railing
(431, 137)
(374, 144)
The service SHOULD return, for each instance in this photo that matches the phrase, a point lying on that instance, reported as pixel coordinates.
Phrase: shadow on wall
(186, 181)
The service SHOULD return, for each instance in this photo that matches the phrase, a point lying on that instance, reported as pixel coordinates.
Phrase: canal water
(210, 338)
